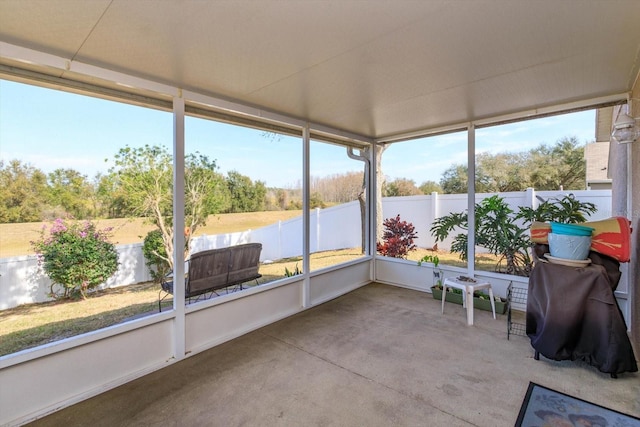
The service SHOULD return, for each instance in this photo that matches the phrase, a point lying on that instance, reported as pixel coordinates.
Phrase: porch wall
(49, 378)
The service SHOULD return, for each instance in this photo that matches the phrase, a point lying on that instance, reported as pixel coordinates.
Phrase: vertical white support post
(178, 228)
(369, 200)
(631, 269)
(530, 198)
(471, 198)
(372, 211)
(306, 216)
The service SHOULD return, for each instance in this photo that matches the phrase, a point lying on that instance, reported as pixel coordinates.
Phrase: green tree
(562, 165)
(402, 187)
(543, 168)
(71, 191)
(111, 197)
(454, 179)
(155, 255)
(246, 196)
(145, 175)
(23, 192)
(429, 187)
(315, 201)
(502, 172)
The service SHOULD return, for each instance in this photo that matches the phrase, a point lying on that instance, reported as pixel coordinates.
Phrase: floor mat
(545, 407)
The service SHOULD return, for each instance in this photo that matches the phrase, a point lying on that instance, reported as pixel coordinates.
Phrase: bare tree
(146, 175)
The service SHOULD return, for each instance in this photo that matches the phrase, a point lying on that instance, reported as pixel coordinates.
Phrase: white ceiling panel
(376, 68)
(56, 27)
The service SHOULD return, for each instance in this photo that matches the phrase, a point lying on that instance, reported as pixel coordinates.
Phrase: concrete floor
(378, 356)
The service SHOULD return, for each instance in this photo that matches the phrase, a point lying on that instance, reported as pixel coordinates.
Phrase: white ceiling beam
(41, 59)
(65, 65)
(32, 57)
(238, 108)
(521, 115)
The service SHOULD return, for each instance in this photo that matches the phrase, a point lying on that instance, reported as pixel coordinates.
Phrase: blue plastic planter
(569, 247)
(571, 229)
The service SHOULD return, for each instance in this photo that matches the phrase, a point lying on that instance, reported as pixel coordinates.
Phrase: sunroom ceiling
(373, 68)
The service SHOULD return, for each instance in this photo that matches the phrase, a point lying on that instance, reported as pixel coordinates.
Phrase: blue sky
(52, 129)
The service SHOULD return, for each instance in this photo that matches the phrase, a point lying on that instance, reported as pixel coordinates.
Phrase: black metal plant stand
(516, 295)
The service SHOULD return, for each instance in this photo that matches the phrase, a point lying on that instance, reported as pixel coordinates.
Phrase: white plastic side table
(468, 288)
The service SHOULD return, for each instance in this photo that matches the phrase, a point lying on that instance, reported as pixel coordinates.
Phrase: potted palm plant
(504, 232)
(481, 300)
(437, 272)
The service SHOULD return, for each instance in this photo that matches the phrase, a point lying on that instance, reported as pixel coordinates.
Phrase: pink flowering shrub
(76, 256)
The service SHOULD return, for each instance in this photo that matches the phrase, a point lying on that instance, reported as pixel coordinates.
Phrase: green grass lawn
(31, 325)
(15, 238)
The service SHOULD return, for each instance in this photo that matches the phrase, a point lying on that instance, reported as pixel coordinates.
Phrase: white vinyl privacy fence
(337, 227)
